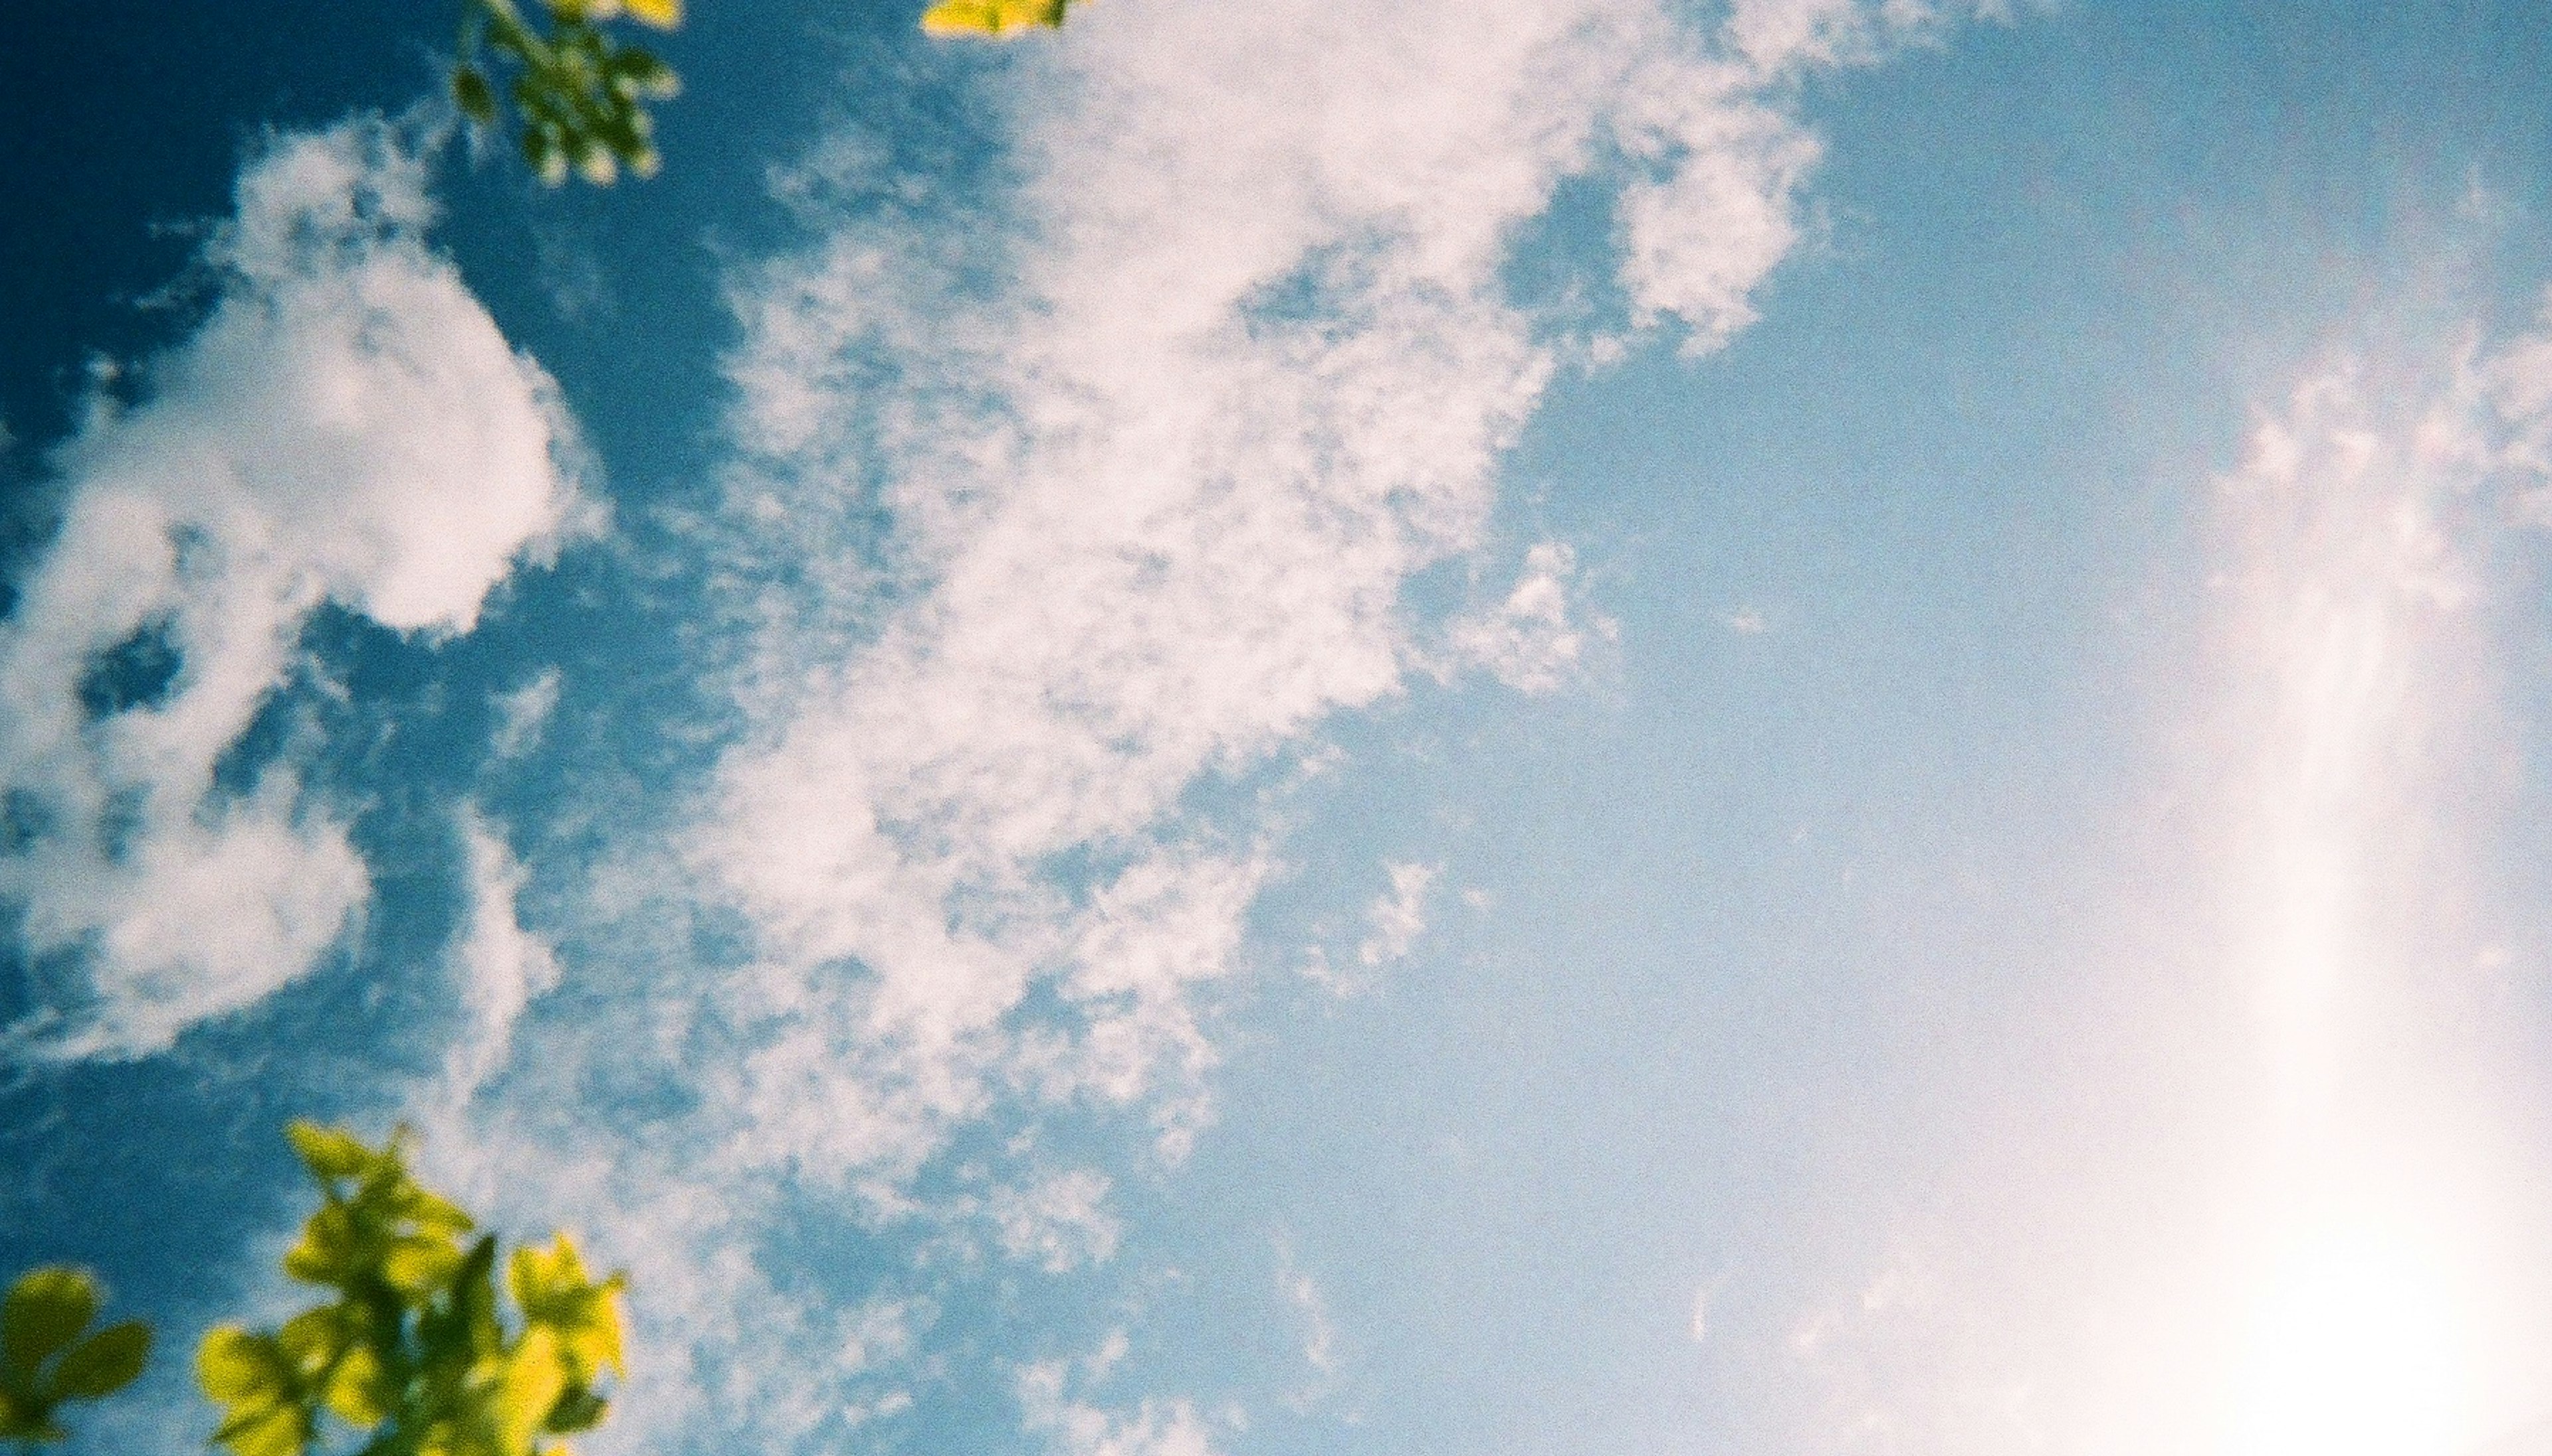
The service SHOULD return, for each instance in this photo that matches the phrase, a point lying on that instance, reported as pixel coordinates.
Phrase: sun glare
(2353, 1348)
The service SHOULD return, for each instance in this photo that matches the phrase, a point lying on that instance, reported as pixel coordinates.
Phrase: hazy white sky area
(1508, 728)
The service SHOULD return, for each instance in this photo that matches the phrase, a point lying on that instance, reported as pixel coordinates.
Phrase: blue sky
(1546, 726)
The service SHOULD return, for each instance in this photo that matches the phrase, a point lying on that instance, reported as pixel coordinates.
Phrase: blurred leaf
(330, 1152)
(577, 1409)
(578, 91)
(329, 1251)
(472, 93)
(105, 1362)
(360, 1390)
(419, 1266)
(535, 1378)
(45, 1311)
(240, 1368)
(555, 1292)
(993, 18)
(271, 1430)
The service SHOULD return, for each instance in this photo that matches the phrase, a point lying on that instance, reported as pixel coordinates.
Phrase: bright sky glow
(2354, 1346)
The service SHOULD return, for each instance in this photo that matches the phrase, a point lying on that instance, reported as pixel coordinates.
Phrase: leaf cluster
(581, 93)
(45, 1360)
(413, 1354)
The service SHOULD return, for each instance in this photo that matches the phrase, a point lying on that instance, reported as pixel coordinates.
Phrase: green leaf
(472, 93)
(556, 1293)
(23, 1418)
(577, 1409)
(105, 1362)
(244, 1370)
(360, 1390)
(535, 1378)
(331, 1152)
(420, 1267)
(46, 1311)
(274, 1430)
(330, 1251)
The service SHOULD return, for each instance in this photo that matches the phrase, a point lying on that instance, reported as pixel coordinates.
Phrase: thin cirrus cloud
(1163, 429)
(347, 425)
(1163, 423)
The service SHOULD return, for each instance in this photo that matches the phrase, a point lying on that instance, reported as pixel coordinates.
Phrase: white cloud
(1163, 429)
(345, 426)
(1399, 916)
(1161, 425)
(1061, 1222)
(1075, 1427)
(502, 966)
(1541, 634)
(524, 714)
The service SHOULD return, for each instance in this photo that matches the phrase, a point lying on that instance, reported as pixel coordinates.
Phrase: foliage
(412, 1354)
(996, 18)
(580, 92)
(581, 96)
(45, 1362)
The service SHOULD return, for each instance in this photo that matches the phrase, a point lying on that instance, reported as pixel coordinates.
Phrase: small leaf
(636, 73)
(664, 15)
(472, 93)
(47, 1309)
(999, 19)
(331, 1152)
(329, 1250)
(274, 1430)
(578, 1408)
(535, 1378)
(434, 1213)
(420, 1267)
(105, 1362)
(240, 1368)
(360, 1390)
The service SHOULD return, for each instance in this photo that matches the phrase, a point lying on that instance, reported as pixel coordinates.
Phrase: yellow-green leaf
(993, 18)
(45, 1311)
(240, 1368)
(360, 1390)
(535, 1378)
(555, 1292)
(433, 1214)
(325, 1252)
(266, 1430)
(664, 15)
(104, 1363)
(419, 1266)
(331, 1152)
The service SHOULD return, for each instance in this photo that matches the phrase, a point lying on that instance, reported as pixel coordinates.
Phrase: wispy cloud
(1538, 637)
(345, 427)
(1160, 420)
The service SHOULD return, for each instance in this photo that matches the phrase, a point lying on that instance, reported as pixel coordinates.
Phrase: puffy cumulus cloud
(347, 425)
